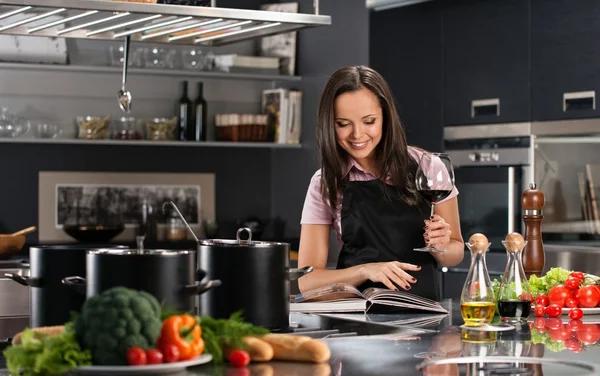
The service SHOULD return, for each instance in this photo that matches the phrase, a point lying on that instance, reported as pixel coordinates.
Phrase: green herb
(544, 338)
(217, 333)
(42, 355)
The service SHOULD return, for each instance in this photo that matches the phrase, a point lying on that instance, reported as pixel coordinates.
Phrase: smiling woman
(365, 189)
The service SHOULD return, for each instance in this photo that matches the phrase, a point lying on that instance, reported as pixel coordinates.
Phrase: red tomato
(539, 310)
(575, 313)
(136, 356)
(540, 324)
(561, 334)
(572, 283)
(542, 300)
(239, 358)
(588, 296)
(589, 335)
(554, 323)
(575, 325)
(558, 294)
(574, 345)
(553, 310)
(171, 353)
(579, 275)
(154, 356)
(570, 303)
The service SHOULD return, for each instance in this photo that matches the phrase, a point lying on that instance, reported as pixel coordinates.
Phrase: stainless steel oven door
(490, 184)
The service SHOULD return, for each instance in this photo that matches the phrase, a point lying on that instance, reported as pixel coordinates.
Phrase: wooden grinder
(532, 202)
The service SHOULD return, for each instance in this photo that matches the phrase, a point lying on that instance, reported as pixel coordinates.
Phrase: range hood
(378, 5)
(143, 22)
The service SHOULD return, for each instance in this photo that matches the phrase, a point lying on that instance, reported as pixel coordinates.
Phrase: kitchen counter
(374, 345)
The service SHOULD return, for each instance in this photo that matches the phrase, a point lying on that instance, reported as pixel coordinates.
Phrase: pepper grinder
(532, 202)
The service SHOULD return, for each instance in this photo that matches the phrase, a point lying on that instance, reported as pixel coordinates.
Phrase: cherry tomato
(154, 356)
(589, 335)
(554, 323)
(574, 345)
(575, 313)
(170, 353)
(575, 325)
(588, 297)
(136, 356)
(570, 303)
(540, 324)
(553, 310)
(539, 310)
(558, 294)
(572, 283)
(579, 275)
(239, 358)
(542, 300)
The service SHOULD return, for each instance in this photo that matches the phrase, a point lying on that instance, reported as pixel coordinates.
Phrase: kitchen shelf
(149, 72)
(271, 145)
(142, 22)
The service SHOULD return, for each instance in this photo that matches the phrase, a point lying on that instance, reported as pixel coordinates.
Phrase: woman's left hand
(437, 232)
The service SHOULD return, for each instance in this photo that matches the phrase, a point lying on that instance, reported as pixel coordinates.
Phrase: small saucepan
(169, 275)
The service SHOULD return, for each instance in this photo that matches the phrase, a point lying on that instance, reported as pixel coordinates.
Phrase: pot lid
(508, 365)
(138, 252)
(239, 242)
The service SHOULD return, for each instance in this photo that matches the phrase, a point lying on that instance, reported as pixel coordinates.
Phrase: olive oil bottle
(477, 301)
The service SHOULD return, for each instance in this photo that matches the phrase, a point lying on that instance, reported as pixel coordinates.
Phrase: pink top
(316, 211)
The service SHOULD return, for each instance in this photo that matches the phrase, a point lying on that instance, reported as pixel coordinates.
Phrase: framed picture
(89, 198)
(281, 45)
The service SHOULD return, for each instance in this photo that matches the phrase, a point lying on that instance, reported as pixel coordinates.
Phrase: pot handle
(78, 284)
(25, 281)
(294, 274)
(201, 288)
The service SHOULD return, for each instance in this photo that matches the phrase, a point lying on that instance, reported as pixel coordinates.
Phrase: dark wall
(243, 184)
(321, 51)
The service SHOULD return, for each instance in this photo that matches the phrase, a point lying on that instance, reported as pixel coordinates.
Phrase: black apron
(375, 229)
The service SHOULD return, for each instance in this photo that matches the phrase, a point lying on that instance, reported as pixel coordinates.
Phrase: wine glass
(435, 181)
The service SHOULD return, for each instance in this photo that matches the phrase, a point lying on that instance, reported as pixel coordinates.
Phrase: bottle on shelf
(514, 296)
(197, 132)
(185, 112)
(477, 302)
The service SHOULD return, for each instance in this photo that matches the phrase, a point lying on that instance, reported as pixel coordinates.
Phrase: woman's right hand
(390, 273)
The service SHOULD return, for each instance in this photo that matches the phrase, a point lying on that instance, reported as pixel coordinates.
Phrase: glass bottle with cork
(477, 301)
(197, 132)
(184, 112)
(175, 230)
(514, 294)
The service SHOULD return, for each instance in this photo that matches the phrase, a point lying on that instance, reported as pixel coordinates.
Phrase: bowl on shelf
(93, 234)
(93, 127)
(10, 245)
(161, 129)
(45, 129)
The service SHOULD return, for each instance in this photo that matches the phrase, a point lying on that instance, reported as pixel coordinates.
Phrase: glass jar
(126, 128)
(175, 230)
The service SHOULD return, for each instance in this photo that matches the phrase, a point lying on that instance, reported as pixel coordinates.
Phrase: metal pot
(51, 301)
(170, 276)
(255, 279)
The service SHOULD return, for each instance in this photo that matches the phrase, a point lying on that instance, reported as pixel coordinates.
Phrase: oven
(490, 175)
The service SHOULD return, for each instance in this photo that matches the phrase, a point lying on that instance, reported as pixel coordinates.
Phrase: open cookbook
(343, 297)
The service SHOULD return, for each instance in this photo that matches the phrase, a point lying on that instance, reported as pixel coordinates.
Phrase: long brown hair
(392, 158)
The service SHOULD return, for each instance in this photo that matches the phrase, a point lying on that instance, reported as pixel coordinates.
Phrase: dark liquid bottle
(197, 132)
(185, 112)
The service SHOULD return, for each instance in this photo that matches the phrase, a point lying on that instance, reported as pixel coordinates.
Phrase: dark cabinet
(486, 61)
(565, 58)
(405, 46)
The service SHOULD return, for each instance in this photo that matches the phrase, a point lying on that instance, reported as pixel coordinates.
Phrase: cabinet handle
(579, 100)
(481, 107)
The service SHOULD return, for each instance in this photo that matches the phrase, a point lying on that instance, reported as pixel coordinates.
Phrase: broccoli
(114, 321)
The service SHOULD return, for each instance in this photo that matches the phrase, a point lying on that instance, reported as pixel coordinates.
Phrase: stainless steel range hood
(156, 23)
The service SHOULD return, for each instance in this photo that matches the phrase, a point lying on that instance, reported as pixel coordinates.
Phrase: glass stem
(432, 210)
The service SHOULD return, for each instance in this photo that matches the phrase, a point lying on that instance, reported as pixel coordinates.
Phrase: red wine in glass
(435, 181)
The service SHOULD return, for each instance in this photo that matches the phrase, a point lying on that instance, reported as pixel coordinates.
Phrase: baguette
(298, 348)
(48, 330)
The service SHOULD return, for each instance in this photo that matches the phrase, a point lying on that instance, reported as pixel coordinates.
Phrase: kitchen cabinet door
(486, 61)
(565, 58)
(405, 47)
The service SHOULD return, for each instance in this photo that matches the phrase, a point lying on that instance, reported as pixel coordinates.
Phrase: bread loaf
(298, 348)
(48, 330)
(259, 350)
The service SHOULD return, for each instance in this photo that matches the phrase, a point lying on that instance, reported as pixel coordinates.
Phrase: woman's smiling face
(358, 125)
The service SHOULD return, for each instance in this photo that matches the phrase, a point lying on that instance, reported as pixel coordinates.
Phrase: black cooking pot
(51, 301)
(255, 279)
(170, 276)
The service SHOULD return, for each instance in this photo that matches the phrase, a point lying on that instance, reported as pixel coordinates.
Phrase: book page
(333, 292)
(400, 299)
